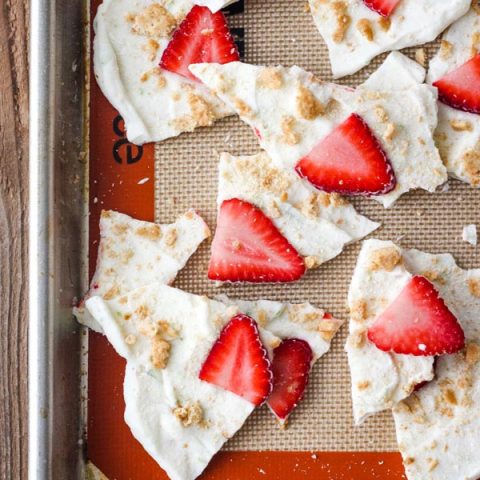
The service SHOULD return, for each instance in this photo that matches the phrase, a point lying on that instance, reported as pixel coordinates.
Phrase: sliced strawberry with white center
(418, 323)
(461, 88)
(202, 37)
(248, 247)
(291, 364)
(349, 161)
(383, 7)
(238, 361)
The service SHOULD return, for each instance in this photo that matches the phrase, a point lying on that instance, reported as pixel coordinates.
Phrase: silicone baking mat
(162, 182)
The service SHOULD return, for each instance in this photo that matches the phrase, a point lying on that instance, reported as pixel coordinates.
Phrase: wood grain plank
(13, 237)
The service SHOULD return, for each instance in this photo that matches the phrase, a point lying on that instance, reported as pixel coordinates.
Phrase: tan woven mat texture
(282, 32)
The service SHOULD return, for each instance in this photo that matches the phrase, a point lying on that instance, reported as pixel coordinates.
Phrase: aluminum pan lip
(56, 230)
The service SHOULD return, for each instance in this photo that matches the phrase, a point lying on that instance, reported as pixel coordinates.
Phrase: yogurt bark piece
(133, 253)
(379, 379)
(438, 427)
(355, 34)
(130, 38)
(294, 206)
(291, 112)
(458, 132)
(165, 334)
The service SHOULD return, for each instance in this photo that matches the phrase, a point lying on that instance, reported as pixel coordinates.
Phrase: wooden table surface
(13, 237)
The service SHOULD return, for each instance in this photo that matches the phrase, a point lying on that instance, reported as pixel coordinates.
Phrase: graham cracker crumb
(434, 276)
(446, 49)
(270, 78)
(243, 109)
(311, 262)
(389, 133)
(262, 318)
(308, 106)
(461, 125)
(152, 232)
(160, 352)
(471, 164)
(328, 328)
(343, 21)
(151, 48)
(290, 137)
(202, 112)
(384, 23)
(130, 339)
(365, 385)
(154, 21)
(432, 464)
(171, 237)
(472, 353)
(189, 414)
(112, 293)
(359, 311)
(409, 461)
(421, 57)
(365, 28)
(358, 339)
(126, 256)
(474, 286)
(475, 43)
(385, 259)
(381, 114)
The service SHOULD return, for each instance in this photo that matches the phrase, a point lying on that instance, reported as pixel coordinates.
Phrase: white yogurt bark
(355, 34)
(290, 320)
(379, 379)
(438, 427)
(165, 335)
(458, 132)
(317, 224)
(133, 253)
(130, 37)
(291, 112)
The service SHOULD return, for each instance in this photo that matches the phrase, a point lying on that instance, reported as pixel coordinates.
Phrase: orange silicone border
(116, 168)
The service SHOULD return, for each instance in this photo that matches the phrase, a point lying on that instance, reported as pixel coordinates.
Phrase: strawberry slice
(418, 323)
(248, 247)
(461, 88)
(349, 161)
(383, 7)
(238, 361)
(292, 361)
(202, 36)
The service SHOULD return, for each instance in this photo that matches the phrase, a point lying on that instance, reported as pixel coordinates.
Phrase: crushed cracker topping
(365, 27)
(290, 137)
(152, 232)
(189, 414)
(155, 21)
(385, 259)
(308, 106)
(160, 352)
(270, 78)
(171, 237)
(343, 20)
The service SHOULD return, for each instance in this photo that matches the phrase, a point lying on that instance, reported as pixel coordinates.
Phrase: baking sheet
(274, 31)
